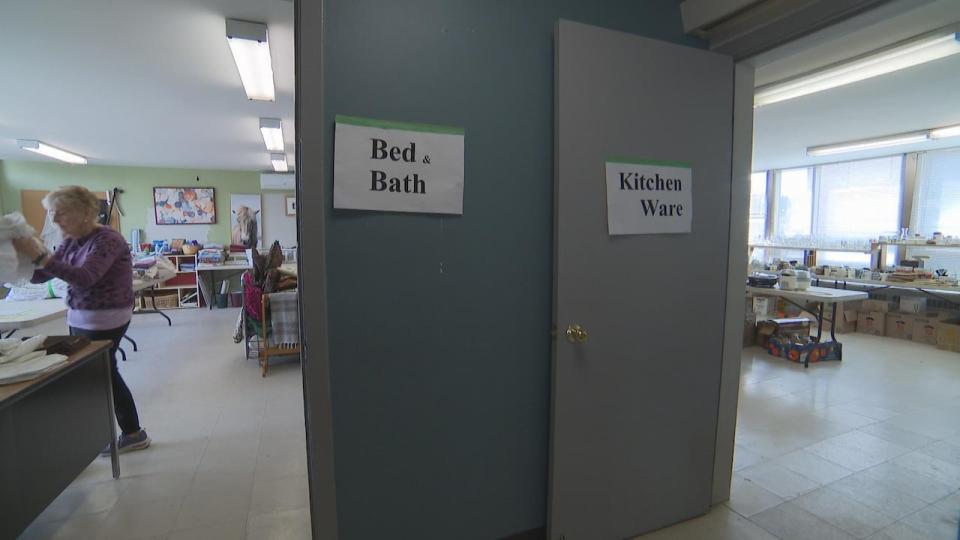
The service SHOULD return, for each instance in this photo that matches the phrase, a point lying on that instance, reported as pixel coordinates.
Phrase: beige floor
(866, 448)
(228, 459)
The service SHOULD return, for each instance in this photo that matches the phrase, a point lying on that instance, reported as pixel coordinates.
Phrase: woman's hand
(30, 246)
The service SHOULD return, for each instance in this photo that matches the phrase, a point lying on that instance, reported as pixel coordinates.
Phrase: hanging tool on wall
(114, 203)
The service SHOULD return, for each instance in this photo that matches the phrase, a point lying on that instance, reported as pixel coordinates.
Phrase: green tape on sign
(405, 126)
(637, 161)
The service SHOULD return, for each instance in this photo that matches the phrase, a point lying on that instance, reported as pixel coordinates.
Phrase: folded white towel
(31, 369)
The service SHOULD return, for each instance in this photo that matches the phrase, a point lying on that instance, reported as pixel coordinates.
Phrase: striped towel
(284, 319)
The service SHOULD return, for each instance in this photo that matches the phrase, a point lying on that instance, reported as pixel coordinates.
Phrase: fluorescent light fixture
(868, 144)
(279, 162)
(897, 57)
(251, 51)
(51, 151)
(944, 132)
(272, 132)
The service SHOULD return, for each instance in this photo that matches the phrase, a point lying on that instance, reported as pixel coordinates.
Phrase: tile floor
(866, 448)
(228, 459)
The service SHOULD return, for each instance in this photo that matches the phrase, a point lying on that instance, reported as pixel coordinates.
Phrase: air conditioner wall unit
(278, 181)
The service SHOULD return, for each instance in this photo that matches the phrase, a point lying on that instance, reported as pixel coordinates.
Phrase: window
(794, 203)
(936, 203)
(758, 206)
(858, 200)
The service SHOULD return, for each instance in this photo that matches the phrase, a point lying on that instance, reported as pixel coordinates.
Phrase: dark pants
(126, 409)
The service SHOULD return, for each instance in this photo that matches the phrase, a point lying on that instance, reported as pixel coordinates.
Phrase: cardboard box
(847, 321)
(872, 322)
(794, 328)
(925, 327)
(948, 335)
(913, 304)
(899, 325)
(875, 305)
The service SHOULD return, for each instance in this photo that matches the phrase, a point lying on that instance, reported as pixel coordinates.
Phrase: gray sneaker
(129, 443)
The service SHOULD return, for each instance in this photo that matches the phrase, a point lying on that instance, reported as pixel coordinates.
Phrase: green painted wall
(137, 183)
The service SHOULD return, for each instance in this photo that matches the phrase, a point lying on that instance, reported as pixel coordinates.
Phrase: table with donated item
(25, 314)
(821, 296)
(51, 429)
(210, 275)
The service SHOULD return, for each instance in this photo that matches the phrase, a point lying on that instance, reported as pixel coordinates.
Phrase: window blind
(858, 200)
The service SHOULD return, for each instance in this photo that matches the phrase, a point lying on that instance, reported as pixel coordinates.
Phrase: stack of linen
(26, 360)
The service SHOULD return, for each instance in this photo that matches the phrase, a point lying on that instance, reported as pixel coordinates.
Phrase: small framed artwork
(291, 206)
(184, 206)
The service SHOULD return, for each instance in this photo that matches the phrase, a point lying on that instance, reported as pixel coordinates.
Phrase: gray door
(635, 404)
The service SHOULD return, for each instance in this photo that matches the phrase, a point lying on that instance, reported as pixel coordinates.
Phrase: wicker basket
(164, 300)
(190, 249)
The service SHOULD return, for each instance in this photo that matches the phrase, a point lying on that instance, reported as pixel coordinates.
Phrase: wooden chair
(267, 347)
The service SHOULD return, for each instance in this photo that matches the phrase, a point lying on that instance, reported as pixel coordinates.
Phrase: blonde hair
(73, 198)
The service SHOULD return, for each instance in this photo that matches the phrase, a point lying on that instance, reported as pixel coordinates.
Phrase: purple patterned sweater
(98, 268)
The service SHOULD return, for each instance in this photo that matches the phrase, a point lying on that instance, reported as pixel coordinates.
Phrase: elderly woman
(96, 263)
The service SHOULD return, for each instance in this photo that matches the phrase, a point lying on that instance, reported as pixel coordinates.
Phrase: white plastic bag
(14, 268)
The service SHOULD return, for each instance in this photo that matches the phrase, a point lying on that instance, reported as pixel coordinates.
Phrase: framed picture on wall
(184, 206)
(291, 205)
(246, 229)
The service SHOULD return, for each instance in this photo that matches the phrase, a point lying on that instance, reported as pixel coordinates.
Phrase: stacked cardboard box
(899, 325)
(872, 318)
(948, 335)
(925, 327)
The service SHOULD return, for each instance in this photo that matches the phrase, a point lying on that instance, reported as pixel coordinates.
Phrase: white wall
(276, 224)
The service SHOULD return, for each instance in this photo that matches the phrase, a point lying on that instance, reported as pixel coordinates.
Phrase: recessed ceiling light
(897, 57)
(868, 144)
(251, 52)
(279, 162)
(272, 131)
(45, 149)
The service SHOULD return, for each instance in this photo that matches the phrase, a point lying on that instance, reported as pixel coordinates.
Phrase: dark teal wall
(440, 326)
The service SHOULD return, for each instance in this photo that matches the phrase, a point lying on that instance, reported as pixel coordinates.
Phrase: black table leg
(130, 339)
(153, 300)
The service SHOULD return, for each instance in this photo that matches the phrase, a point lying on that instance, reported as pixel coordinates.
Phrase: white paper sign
(648, 197)
(398, 167)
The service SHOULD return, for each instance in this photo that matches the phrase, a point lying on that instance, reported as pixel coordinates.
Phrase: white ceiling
(916, 98)
(140, 82)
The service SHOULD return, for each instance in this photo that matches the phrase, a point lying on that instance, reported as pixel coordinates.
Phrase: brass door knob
(576, 334)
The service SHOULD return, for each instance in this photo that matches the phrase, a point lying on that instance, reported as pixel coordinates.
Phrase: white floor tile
(936, 522)
(813, 467)
(747, 498)
(896, 435)
(790, 522)
(910, 482)
(282, 525)
(779, 480)
(272, 495)
(719, 524)
(878, 495)
(856, 450)
(843, 512)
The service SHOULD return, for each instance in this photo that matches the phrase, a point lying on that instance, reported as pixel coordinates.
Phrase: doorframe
(737, 260)
(315, 357)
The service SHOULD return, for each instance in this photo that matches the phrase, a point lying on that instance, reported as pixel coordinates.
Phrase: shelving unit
(809, 251)
(183, 285)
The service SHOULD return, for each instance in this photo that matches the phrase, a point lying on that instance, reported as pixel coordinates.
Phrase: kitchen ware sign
(648, 197)
(397, 167)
